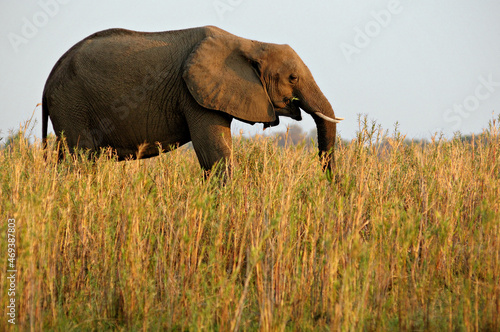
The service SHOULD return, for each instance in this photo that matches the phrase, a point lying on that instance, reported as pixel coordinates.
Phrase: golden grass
(407, 238)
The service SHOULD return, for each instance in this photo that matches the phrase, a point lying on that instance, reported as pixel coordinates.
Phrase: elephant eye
(293, 78)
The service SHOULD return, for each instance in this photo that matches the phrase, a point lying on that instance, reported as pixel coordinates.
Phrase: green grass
(407, 238)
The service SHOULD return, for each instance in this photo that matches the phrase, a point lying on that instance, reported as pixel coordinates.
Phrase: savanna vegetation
(404, 236)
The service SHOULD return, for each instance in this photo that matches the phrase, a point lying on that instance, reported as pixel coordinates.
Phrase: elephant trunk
(313, 102)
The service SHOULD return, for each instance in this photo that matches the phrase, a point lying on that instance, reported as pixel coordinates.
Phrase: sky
(430, 66)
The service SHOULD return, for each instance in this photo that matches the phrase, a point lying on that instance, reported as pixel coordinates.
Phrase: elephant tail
(45, 121)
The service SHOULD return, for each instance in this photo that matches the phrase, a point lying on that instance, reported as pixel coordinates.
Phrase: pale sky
(428, 65)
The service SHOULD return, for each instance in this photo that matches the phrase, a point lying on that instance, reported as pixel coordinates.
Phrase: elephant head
(258, 82)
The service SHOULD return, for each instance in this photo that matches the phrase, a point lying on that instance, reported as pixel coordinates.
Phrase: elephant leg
(211, 136)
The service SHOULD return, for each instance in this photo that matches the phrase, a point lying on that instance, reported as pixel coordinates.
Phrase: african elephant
(124, 89)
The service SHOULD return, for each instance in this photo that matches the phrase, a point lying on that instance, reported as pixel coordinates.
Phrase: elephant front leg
(211, 136)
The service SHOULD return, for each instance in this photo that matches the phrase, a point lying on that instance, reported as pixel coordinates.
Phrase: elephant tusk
(340, 119)
(326, 118)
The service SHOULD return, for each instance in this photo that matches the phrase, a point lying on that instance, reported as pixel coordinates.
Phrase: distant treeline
(294, 135)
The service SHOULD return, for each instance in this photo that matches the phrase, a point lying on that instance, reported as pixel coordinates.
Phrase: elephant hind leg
(211, 136)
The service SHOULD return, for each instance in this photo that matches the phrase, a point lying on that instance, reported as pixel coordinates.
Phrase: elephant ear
(220, 76)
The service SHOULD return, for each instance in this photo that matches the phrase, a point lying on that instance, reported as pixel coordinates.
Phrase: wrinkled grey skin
(121, 89)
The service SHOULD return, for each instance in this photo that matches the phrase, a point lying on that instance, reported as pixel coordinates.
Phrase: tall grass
(406, 238)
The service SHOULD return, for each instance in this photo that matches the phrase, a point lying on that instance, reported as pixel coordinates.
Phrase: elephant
(134, 91)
